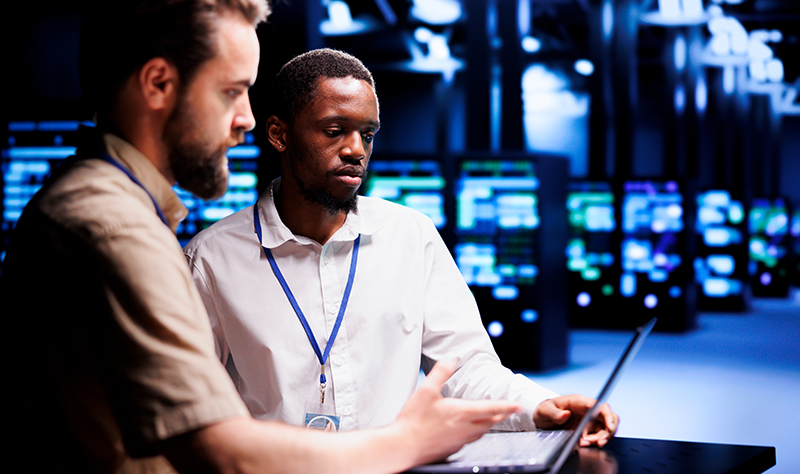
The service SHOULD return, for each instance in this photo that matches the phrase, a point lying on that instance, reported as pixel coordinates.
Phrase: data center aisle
(735, 379)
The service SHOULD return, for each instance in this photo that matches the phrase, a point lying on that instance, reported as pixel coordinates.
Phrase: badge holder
(321, 416)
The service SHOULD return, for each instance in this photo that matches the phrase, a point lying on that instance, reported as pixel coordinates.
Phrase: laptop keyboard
(519, 448)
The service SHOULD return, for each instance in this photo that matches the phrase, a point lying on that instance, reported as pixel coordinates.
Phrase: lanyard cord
(108, 159)
(323, 357)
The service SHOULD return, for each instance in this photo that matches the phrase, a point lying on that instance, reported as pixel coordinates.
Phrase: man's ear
(276, 133)
(158, 82)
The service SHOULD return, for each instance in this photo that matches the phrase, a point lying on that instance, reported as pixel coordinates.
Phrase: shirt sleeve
(163, 376)
(453, 328)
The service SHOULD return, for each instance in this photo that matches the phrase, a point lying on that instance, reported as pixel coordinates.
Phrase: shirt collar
(152, 179)
(275, 232)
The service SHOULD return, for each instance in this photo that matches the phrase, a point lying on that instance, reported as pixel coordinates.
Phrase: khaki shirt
(109, 343)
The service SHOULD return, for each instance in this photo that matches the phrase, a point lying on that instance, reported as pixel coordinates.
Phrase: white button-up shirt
(409, 308)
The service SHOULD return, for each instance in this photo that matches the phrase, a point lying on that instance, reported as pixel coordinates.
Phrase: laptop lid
(570, 442)
(627, 356)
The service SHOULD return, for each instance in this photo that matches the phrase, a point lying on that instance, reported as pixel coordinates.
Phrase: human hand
(564, 412)
(438, 426)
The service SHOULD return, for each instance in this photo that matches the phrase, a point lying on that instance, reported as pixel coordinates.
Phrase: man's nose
(354, 148)
(244, 119)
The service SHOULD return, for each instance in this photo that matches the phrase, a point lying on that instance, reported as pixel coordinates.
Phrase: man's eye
(368, 137)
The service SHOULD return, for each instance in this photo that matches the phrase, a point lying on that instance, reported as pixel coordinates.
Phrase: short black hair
(296, 83)
(119, 36)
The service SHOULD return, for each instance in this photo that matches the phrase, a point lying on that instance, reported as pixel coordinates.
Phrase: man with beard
(110, 350)
(325, 304)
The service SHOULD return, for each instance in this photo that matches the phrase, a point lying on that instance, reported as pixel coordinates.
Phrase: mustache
(349, 170)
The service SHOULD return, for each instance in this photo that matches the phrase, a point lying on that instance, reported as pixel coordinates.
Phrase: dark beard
(327, 200)
(321, 196)
(196, 166)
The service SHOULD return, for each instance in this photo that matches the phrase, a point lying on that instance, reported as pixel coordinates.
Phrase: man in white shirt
(324, 304)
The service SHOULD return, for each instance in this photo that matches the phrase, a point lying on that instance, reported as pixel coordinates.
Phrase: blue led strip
(38, 152)
(244, 151)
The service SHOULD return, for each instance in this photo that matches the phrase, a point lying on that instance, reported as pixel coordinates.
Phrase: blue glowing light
(495, 329)
(718, 236)
(216, 213)
(242, 180)
(590, 274)
(728, 79)
(530, 315)
(657, 276)
(584, 67)
(670, 8)
(736, 213)
(21, 126)
(651, 301)
(707, 215)
(680, 99)
(244, 151)
(608, 19)
(531, 44)
(341, 22)
(721, 287)
(524, 18)
(435, 57)
(716, 287)
(627, 285)
(721, 264)
(679, 52)
(436, 12)
(38, 152)
(583, 299)
(701, 93)
(505, 292)
(527, 271)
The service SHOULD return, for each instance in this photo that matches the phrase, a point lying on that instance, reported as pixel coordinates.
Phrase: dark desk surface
(652, 456)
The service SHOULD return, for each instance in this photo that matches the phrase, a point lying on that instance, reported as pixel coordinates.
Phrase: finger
(599, 438)
(440, 372)
(574, 402)
(554, 413)
(479, 410)
(601, 431)
(606, 420)
(547, 415)
(487, 423)
(612, 422)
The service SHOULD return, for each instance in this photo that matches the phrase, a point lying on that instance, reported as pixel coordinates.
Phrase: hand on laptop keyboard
(565, 411)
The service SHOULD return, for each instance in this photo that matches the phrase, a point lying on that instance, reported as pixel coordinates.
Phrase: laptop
(532, 451)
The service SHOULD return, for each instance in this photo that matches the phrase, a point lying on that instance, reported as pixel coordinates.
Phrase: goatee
(325, 199)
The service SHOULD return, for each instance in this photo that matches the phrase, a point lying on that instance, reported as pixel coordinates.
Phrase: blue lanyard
(107, 158)
(323, 357)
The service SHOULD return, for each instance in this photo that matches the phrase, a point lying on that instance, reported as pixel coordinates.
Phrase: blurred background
(590, 164)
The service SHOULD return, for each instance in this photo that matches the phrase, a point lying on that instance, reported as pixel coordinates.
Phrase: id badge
(321, 416)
